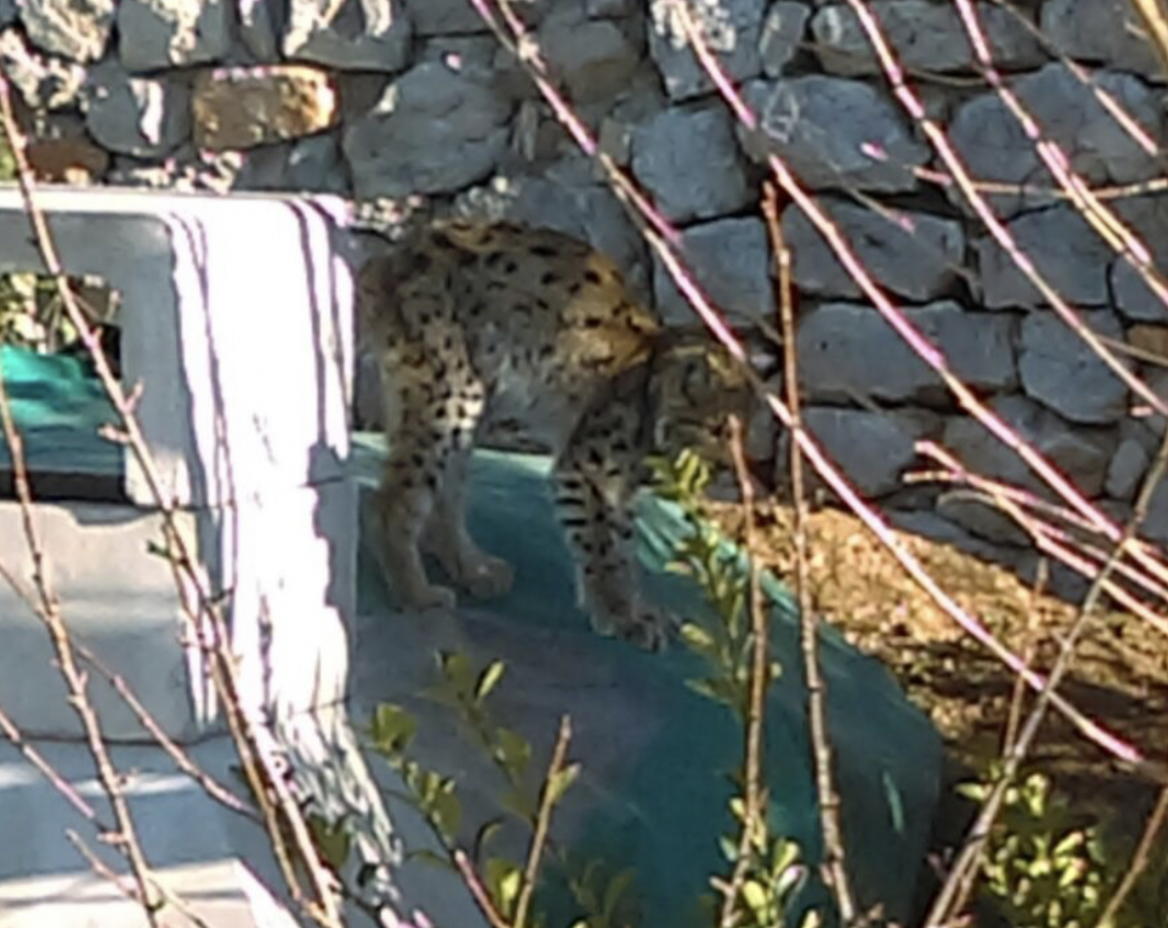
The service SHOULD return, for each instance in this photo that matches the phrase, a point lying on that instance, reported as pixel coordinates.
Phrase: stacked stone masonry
(389, 101)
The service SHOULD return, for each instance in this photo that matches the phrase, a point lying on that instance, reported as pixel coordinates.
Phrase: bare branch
(539, 837)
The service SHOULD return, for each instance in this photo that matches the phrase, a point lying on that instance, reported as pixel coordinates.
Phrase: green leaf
(520, 804)
(512, 751)
(392, 729)
(755, 896)
(615, 891)
(456, 669)
(700, 641)
(503, 879)
(483, 837)
(446, 812)
(488, 680)
(560, 781)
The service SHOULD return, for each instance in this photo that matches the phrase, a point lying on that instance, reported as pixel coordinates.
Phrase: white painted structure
(235, 320)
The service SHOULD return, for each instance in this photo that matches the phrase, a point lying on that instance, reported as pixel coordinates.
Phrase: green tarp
(665, 808)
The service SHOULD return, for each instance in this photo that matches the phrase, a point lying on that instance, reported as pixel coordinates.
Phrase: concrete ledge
(224, 893)
(286, 558)
(236, 319)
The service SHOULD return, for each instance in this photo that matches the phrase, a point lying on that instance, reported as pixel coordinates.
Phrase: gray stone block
(731, 260)
(782, 33)
(1063, 248)
(914, 254)
(848, 351)
(1060, 370)
(147, 117)
(994, 146)
(156, 34)
(1081, 453)
(77, 31)
(688, 160)
(924, 35)
(1108, 32)
(362, 35)
(833, 132)
(873, 449)
(435, 130)
(731, 29)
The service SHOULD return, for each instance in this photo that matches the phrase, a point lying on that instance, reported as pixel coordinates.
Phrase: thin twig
(1018, 696)
(48, 610)
(49, 772)
(1053, 542)
(1152, 14)
(754, 792)
(934, 358)
(543, 819)
(127, 889)
(835, 870)
(1106, 223)
(181, 758)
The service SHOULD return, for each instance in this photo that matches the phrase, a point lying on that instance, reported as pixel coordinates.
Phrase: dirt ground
(1120, 678)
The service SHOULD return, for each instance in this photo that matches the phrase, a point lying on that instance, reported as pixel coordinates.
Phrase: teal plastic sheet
(59, 408)
(661, 813)
(663, 804)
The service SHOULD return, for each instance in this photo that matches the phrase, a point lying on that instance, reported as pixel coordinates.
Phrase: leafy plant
(723, 579)
(1048, 869)
(465, 690)
(766, 868)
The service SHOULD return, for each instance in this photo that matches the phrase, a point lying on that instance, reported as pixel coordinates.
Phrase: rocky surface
(731, 261)
(164, 34)
(916, 255)
(834, 132)
(1062, 246)
(1060, 370)
(141, 116)
(924, 35)
(849, 352)
(994, 145)
(243, 107)
(732, 29)
(689, 161)
(434, 130)
(77, 31)
(873, 448)
(411, 105)
(1107, 32)
(366, 35)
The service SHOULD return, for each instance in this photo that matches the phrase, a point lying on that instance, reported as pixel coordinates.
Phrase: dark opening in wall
(57, 401)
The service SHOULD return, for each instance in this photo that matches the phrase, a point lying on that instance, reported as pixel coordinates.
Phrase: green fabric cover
(665, 817)
(665, 814)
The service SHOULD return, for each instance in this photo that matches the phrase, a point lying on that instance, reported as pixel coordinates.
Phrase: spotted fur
(481, 324)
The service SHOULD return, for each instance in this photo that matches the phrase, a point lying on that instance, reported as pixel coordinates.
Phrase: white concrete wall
(236, 321)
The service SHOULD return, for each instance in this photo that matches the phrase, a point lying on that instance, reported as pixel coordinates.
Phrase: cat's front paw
(487, 577)
(644, 627)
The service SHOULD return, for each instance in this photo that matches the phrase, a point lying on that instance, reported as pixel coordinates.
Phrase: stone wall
(391, 100)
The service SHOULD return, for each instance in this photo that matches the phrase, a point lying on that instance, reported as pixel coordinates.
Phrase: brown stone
(245, 107)
(1150, 338)
(66, 160)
